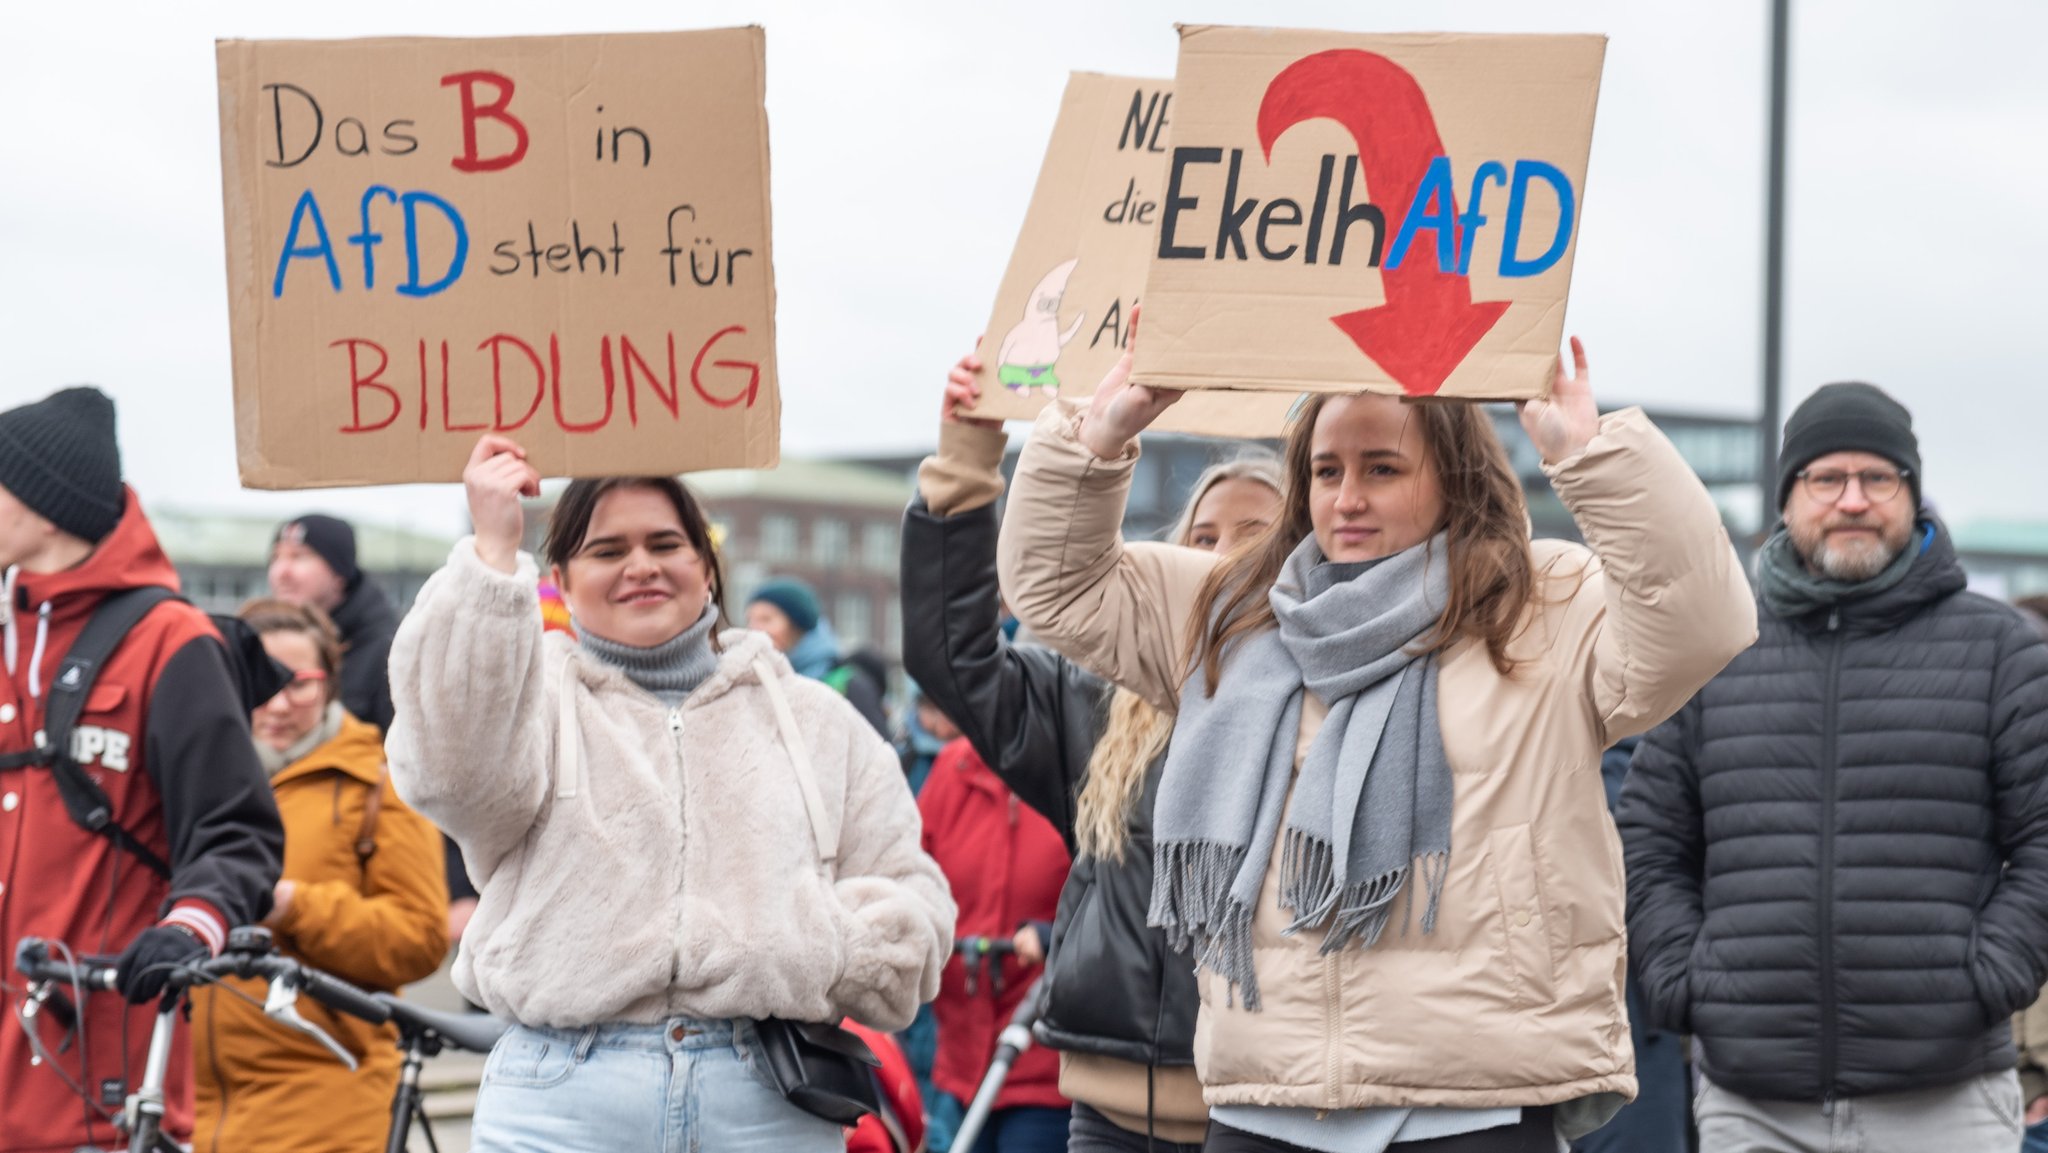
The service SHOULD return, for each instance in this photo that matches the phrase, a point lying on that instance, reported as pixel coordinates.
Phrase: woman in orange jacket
(363, 896)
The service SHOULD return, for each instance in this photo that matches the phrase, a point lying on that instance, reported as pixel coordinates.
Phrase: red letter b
(471, 112)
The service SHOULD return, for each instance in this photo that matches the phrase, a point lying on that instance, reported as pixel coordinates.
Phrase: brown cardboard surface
(1262, 296)
(1063, 314)
(614, 311)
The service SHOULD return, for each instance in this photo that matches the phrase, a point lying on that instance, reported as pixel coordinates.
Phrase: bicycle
(423, 1032)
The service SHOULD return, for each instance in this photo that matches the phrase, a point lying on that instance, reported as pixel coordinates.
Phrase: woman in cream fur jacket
(655, 874)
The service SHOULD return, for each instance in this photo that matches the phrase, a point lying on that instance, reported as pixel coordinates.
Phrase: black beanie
(330, 538)
(1851, 417)
(58, 456)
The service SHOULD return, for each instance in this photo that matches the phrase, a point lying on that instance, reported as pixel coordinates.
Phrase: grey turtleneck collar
(671, 670)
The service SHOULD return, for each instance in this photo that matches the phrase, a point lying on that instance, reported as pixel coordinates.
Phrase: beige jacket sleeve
(1119, 609)
(967, 471)
(1667, 606)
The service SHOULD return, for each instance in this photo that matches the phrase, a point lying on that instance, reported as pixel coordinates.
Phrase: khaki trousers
(1980, 1115)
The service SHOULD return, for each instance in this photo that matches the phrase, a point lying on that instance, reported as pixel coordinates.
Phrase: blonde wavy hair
(1137, 732)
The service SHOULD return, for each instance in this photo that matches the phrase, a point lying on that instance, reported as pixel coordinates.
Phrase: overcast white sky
(905, 139)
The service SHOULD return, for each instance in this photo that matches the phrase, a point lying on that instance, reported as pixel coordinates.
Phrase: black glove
(147, 962)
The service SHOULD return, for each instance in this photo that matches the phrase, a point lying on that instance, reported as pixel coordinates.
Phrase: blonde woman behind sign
(1121, 1004)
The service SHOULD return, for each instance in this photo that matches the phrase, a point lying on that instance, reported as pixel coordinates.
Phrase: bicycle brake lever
(282, 1006)
(47, 998)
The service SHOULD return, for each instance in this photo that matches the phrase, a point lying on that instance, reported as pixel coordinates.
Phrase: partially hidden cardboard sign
(1063, 315)
(1388, 213)
(561, 239)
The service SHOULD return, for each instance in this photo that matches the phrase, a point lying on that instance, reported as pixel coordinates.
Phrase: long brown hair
(1485, 519)
(1137, 731)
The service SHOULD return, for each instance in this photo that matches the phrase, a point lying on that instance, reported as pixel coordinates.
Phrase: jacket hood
(129, 557)
(357, 750)
(365, 610)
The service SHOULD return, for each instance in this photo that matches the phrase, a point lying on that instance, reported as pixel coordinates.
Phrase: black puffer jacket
(1117, 990)
(1838, 851)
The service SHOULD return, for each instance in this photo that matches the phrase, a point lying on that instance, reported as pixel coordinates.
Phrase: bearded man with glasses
(1838, 850)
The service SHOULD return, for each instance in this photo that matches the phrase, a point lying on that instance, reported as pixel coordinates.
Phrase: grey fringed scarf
(1374, 795)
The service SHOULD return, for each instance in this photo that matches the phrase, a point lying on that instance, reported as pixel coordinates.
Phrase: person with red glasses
(362, 897)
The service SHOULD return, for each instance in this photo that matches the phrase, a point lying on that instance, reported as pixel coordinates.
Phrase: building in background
(2006, 559)
(832, 525)
(223, 559)
(1722, 451)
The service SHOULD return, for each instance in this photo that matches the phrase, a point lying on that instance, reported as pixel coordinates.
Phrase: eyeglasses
(1879, 484)
(306, 687)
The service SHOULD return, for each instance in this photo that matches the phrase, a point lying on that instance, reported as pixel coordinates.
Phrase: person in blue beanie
(787, 610)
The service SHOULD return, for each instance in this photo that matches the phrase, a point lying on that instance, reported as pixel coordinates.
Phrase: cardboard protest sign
(1393, 213)
(1063, 314)
(563, 239)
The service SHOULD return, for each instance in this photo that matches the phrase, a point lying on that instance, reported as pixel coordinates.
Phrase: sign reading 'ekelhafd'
(1392, 213)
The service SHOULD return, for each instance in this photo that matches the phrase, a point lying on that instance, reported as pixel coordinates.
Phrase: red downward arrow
(1429, 323)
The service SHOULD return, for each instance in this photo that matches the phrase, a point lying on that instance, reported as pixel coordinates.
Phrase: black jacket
(860, 677)
(367, 623)
(1838, 851)
(1116, 989)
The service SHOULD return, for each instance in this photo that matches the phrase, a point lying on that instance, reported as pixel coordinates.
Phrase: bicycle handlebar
(32, 958)
(983, 946)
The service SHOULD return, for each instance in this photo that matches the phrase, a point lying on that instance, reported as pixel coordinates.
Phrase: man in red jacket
(164, 733)
(1006, 865)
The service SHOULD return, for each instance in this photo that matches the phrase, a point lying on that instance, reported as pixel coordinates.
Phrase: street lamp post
(1774, 259)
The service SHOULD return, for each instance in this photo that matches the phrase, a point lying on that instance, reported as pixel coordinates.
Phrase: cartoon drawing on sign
(1025, 361)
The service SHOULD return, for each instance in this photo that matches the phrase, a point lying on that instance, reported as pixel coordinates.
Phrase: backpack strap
(373, 807)
(823, 830)
(83, 798)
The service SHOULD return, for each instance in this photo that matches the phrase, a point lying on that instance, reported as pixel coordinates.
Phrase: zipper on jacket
(675, 741)
(1830, 752)
(1332, 1033)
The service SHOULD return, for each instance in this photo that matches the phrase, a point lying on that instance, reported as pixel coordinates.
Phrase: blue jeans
(2036, 1139)
(1023, 1129)
(675, 1087)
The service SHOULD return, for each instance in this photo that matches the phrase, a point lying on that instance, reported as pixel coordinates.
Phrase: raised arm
(471, 745)
(1674, 606)
(1013, 702)
(471, 741)
(1118, 609)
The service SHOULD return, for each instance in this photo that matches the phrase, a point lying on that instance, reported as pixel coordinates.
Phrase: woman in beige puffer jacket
(1491, 1011)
